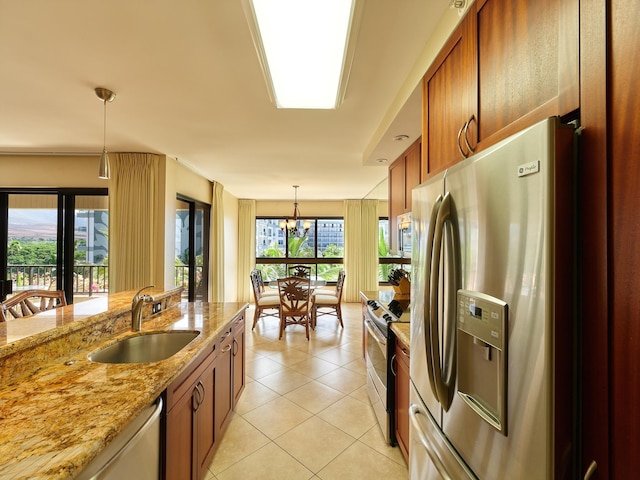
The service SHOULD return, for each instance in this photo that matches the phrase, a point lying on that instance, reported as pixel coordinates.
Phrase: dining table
(314, 283)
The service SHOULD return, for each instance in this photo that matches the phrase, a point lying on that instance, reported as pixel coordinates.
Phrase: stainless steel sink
(145, 348)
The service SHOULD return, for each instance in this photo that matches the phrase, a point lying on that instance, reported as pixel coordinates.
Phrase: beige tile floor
(304, 413)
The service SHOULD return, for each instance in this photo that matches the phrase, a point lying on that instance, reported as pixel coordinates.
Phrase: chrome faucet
(136, 309)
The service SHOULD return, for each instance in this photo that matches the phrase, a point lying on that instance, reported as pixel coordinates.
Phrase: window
(321, 247)
(54, 239)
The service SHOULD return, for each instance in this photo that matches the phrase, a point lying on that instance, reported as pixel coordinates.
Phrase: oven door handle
(374, 332)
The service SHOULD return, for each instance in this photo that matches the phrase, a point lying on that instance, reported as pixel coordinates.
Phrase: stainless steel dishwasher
(134, 453)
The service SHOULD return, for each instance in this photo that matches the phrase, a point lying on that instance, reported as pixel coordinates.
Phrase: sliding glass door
(192, 248)
(54, 240)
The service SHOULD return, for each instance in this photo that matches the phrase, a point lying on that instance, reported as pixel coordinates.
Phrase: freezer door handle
(445, 375)
(430, 292)
(414, 411)
(443, 456)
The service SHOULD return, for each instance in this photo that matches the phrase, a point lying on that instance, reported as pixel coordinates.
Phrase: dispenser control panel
(483, 317)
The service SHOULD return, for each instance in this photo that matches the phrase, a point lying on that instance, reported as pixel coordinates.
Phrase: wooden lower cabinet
(190, 427)
(401, 410)
(200, 404)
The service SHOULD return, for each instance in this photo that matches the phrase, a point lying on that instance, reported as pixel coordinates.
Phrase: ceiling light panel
(304, 44)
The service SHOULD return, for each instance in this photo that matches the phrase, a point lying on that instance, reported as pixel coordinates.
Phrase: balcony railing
(87, 279)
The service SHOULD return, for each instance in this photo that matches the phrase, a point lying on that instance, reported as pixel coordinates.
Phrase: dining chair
(322, 300)
(295, 293)
(30, 302)
(263, 288)
(266, 305)
(302, 271)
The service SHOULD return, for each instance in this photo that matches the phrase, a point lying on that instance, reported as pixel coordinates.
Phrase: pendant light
(291, 224)
(104, 168)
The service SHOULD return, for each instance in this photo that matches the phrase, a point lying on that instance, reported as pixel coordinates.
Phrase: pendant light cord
(104, 128)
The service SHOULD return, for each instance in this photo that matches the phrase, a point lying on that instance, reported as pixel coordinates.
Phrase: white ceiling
(189, 85)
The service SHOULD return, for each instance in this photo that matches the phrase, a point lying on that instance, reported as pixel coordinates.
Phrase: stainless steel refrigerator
(492, 313)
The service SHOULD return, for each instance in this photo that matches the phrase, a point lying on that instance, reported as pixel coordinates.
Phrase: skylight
(304, 47)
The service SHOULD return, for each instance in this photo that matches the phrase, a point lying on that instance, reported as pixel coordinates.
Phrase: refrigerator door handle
(432, 295)
(445, 375)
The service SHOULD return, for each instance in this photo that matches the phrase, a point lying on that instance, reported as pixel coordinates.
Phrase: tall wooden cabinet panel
(448, 96)
(624, 228)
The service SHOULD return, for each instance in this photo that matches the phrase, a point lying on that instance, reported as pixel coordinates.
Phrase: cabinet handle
(393, 359)
(466, 134)
(405, 353)
(226, 349)
(593, 466)
(204, 393)
(235, 344)
(459, 144)
(195, 398)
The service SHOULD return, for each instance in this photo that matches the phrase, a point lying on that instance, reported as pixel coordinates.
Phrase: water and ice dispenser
(482, 356)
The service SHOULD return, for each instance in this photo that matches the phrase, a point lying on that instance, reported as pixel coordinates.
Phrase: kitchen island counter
(61, 410)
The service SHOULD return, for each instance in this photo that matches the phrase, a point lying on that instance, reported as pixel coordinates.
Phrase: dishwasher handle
(141, 431)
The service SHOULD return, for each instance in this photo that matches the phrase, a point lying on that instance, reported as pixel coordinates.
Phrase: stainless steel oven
(376, 359)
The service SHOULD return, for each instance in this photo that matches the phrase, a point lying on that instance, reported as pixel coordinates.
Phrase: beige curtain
(246, 247)
(360, 248)
(217, 244)
(369, 248)
(133, 221)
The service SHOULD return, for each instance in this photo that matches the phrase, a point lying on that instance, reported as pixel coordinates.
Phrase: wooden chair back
(30, 302)
(340, 284)
(302, 271)
(295, 293)
(256, 284)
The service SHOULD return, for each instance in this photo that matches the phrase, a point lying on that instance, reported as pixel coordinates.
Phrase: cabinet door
(411, 172)
(238, 358)
(527, 53)
(179, 464)
(402, 399)
(204, 419)
(449, 97)
(224, 386)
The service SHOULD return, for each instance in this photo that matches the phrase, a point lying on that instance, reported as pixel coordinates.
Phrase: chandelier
(293, 225)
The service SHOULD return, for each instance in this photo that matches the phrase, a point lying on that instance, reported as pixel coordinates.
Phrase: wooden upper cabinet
(448, 96)
(527, 57)
(411, 172)
(508, 65)
(404, 175)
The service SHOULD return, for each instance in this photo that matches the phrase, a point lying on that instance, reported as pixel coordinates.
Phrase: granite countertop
(61, 410)
(403, 333)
